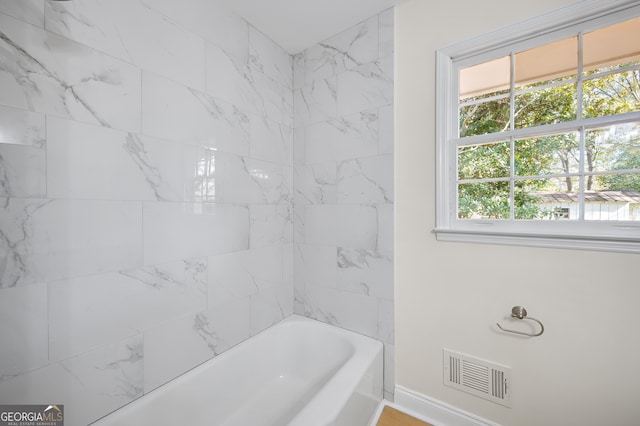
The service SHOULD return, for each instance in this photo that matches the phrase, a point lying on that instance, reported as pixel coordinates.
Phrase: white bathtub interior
(298, 372)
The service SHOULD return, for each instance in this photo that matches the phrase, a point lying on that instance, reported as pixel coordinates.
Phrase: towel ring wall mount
(520, 313)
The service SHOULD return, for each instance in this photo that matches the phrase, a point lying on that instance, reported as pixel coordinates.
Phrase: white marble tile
(200, 174)
(43, 72)
(343, 309)
(234, 276)
(174, 231)
(192, 339)
(367, 272)
(298, 146)
(91, 162)
(365, 87)
(298, 300)
(89, 386)
(271, 224)
(91, 23)
(162, 47)
(22, 154)
(23, 171)
(366, 180)
(288, 265)
(270, 306)
(288, 176)
(179, 345)
(271, 99)
(385, 319)
(385, 33)
(298, 223)
(172, 349)
(316, 266)
(224, 326)
(287, 108)
(268, 58)
(22, 127)
(211, 21)
(338, 139)
(356, 45)
(94, 310)
(316, 184)
(45, 240)
(271, 141)
(31, 11)
(321, 62)
(315, 102)
(341, 225)
(298, 70)
(177, 113)
(23, 329)
(112, 377)
(385, 129)
(226, 30)
(245, 180)
(389, 372)
(229, 78)
(385, 228)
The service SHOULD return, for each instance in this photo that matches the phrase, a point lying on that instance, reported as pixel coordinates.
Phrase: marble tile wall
(168, 193)
(343, 182)
(146, 195)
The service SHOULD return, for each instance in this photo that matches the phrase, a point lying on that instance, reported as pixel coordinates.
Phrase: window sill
(574, 242)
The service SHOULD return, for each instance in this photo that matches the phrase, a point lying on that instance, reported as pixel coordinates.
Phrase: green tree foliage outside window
(607, 93)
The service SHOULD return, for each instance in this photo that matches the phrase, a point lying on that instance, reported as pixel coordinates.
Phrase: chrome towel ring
(519, 312)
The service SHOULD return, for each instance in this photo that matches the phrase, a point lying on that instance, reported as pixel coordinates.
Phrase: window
(539, 136)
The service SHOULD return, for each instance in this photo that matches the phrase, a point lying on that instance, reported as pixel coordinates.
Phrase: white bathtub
(299, 372)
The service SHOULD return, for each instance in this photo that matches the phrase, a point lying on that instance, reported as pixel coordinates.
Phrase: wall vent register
(477, 377)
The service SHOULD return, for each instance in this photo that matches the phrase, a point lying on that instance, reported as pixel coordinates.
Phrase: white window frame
(566, 22)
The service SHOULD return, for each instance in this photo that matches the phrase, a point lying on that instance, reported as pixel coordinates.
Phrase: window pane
(486, 78)
(612, 94)
(612, 46)
(548, 199)
(484, 97)
(478, 117)
(627, 183)
(612, 148)
(549, 105)
(547, 155)
(484, 200)
(547, 63)
(623, 204)
(484, 161)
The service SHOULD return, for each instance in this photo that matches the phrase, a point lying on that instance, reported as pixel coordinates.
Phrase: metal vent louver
(478, 377)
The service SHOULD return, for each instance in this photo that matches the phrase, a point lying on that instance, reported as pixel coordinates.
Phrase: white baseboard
(435, 412)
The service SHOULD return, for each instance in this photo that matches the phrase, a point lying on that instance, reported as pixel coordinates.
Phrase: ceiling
(298, 24)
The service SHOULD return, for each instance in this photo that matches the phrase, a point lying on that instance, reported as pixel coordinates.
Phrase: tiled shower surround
(343, 182)
(168, 176)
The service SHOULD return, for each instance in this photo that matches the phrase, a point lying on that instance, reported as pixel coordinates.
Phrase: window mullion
(579, 115)
(512, 119)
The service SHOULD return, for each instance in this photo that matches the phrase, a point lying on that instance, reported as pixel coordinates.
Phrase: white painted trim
(539, 240)
(436, 412)
(444, 86)
(553, 21)
(376, 416)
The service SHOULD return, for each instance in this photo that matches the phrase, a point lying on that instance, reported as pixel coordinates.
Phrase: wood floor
(392, 417)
